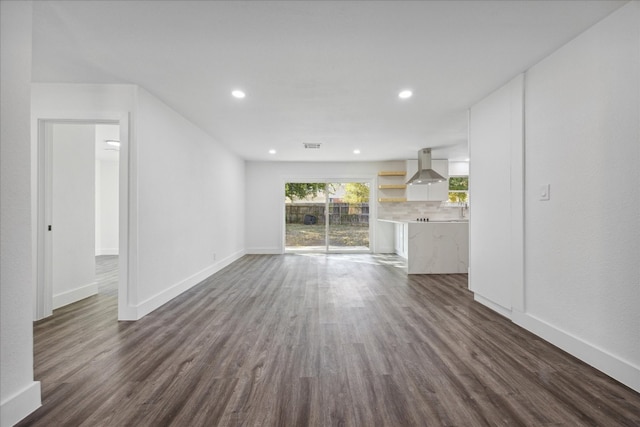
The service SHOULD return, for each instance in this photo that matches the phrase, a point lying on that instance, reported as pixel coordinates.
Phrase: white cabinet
(437, 191)
(401, 239)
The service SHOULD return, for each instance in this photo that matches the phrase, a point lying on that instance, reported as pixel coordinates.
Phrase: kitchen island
(432, 247)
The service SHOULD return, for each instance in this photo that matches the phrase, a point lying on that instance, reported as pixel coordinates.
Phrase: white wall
(190, 204)
(581, 248)
(107, 194)
(19, 394)
(458, 168)
(495, 186)
(583, 245)
(73, 213)
(185, 192)
(265, 196)
(107, 205)
(83, 100)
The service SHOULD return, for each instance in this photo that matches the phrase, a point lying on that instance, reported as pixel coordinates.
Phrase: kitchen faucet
(463, 209)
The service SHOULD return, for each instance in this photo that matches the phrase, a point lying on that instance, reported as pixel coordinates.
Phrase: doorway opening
(107, 167)
(331, 216)
(79, 210)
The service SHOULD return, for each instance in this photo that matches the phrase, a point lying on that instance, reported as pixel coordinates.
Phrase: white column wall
(495, 186)
(73, 213)
(583, 245)
(19, 393)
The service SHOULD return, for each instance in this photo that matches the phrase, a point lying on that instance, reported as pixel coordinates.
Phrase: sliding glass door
(327, 216)
(348, 217)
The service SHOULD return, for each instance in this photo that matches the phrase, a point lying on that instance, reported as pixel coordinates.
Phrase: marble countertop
(439, 246)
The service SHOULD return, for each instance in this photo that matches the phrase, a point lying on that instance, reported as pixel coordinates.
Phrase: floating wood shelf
(392, 186)
(392, 173)
(392, 199)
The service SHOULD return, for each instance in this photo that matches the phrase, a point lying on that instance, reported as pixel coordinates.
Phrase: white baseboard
(68, 297)
(616, 368)
(21, 404)
(492, 305)
(107, 251)
(385, 250)
(264, 251)
(170, 293)
(127, 313)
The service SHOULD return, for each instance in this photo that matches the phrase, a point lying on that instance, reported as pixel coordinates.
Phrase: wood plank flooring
(324, 340)
(107, 274)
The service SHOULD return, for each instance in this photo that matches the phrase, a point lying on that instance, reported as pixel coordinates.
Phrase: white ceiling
(324, 72)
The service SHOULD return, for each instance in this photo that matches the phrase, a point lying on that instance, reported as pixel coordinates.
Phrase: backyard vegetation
(458, 189)
(304, 190)
(345, 205)
(339, 235)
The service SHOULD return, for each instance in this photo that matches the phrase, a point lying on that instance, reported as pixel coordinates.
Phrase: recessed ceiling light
(112, 142)
(238, 94)
(272, 151)
(356, 151)
(405, 94)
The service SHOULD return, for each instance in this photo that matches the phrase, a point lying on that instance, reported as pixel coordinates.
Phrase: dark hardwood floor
(300, 340)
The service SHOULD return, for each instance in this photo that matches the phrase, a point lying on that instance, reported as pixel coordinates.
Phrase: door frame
(369, 179)
(41, 185)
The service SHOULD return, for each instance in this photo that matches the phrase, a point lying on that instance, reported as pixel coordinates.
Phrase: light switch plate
(544, 192)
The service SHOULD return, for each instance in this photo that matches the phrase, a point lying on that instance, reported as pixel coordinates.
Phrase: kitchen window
(458, 190)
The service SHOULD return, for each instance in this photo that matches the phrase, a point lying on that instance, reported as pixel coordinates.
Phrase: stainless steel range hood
(425, 174)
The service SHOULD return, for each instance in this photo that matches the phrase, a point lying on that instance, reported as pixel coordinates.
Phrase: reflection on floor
(107, 266)
(322, 249)
(392, 260)
(107, 274)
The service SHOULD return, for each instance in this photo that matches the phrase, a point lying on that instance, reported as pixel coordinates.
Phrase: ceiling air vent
(311, 145)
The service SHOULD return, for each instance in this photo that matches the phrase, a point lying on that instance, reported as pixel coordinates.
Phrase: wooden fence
(339, 213)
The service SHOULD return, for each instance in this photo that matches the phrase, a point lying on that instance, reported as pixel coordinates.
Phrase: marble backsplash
(408, 211)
